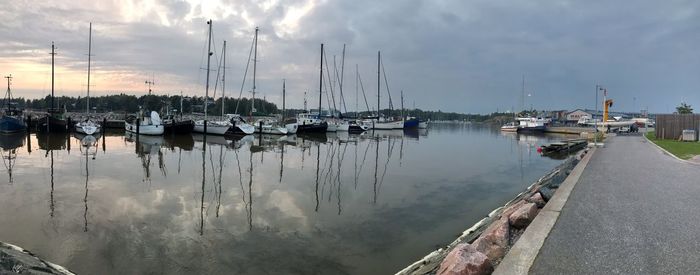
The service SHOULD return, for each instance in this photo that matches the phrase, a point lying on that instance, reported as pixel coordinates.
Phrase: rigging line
(363, 91)
(328, 72)
(391, 104)
(328, 98)
(245, 75)
(216, 82)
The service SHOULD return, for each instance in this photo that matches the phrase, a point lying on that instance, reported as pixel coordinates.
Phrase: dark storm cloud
(465, 56)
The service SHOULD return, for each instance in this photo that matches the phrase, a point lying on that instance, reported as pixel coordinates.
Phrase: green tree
(684, 108)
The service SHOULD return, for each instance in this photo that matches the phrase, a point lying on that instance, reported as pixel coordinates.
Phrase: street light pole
(595, 122)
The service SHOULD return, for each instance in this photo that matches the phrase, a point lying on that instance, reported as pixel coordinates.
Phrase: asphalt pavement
(634, 210)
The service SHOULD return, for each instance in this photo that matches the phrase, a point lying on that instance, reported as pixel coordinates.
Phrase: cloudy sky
(463, 56)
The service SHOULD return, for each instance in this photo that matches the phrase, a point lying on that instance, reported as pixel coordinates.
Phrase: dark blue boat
(11, 120)
(410, 122)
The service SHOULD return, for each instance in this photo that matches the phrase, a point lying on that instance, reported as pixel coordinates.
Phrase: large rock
(511, 208)
(465, 259)
(494, 240)
(537, 200)
(522, 217)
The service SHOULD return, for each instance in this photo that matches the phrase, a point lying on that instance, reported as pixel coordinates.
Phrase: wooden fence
(672, 126)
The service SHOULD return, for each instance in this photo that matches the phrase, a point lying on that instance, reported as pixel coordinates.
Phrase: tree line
(131, 104)
(195, 104)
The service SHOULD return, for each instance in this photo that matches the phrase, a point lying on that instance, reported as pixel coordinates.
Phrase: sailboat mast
(320, 83)
(255, 62)
(206, 91)
(284, 98)
(522, 97)
(88, 78)
(402, 117)
(342, 75)
(53, 53)
(9, 93)
(223, 85)
(379, 79)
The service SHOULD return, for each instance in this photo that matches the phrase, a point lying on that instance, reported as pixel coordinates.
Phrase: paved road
(634, 210)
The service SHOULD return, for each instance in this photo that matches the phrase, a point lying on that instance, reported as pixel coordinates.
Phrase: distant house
(575, 115)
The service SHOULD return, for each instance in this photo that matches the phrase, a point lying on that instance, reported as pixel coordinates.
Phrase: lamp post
(595, 122)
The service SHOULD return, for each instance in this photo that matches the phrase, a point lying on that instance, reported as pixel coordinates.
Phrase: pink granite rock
(494, 240)
(464, 259)
(537, 200)
(522, 217)
(511, 208)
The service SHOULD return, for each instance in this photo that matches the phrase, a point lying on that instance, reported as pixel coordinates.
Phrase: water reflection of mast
(250, 194)
(204, 176)
(221, 169)
(51, 205)
(376, 167)
(318, 166)
(282, 163)
(340, 161)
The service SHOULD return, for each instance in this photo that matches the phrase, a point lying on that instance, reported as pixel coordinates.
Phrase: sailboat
(214, 127)
(88, 126)
(240, 126)
(382, 123)
(11, 120)
(55, 120)
(310, 122)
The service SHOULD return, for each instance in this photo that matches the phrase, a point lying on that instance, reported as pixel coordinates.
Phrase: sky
(449, 55)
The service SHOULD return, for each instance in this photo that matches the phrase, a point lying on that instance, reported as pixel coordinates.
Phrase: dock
(570, 130)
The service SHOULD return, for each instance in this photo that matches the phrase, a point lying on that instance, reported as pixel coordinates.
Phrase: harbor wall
(481, 247)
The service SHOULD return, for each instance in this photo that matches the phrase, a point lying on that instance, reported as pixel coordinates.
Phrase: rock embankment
(16, 260)
(482, 247)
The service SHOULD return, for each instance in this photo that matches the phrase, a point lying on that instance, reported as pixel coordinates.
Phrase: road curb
(667, 152)
(523, 254)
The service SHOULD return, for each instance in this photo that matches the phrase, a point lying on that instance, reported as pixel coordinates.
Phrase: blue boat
(410, 122)
(11, 120)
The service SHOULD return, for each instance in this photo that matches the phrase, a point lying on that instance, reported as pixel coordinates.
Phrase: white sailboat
(88, 126)
(214, 127)
(382, 123)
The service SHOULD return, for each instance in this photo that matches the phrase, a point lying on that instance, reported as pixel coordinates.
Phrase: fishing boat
(214, 127)
(11, 120)
(312, 122)
(55, 120)
(88, 126)
(531, 125)
(151, 125)
(173, 125)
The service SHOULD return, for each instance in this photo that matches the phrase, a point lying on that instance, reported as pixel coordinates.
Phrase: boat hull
(52, 124)
(387, 125)
(271, 130)
(312, 128)
(9, 124)
(343, 127)
(240, 129)
(151, 130)
(410, 123)
(422, 125)
(291, 128)
(211, 129)
(179, 127)
(87, 127)
(533, 129)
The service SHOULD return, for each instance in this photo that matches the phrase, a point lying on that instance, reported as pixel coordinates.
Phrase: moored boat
(11, 120)
(151, 125)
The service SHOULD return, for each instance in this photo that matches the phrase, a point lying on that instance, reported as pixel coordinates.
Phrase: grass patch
(682, 149)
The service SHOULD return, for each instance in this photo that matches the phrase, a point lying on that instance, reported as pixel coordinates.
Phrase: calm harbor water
(331, 204)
